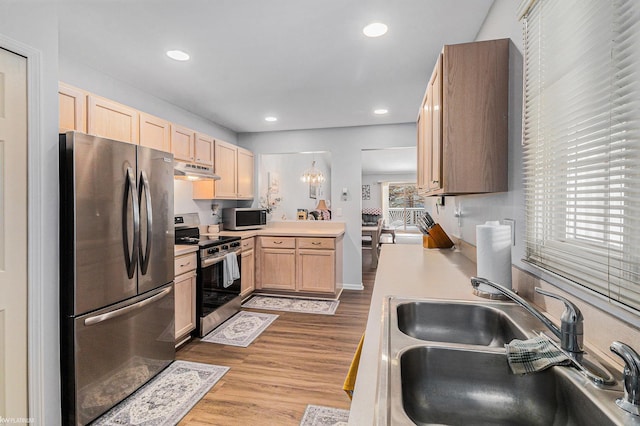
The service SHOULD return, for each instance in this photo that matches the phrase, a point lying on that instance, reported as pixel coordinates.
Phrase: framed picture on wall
(366, 192)
(313, 191)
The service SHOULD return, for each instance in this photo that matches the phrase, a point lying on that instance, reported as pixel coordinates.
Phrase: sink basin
(457, 323)
(444, 362)
(461, 387)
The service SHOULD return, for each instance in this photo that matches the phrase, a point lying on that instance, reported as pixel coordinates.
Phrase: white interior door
(13, 236)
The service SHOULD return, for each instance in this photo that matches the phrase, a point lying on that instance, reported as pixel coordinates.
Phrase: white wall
(35, 24)
(374, 181)
(293, 193)
(345, 145)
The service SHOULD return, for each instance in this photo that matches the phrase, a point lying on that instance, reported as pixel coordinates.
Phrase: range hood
(190, 171)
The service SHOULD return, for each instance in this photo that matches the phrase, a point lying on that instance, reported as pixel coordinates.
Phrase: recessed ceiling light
(178, 55)
(380, 111)
(375, 29)
(271, 118)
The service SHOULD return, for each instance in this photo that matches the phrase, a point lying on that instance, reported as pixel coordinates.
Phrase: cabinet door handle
(277, 242)
(435, 181)
(186, 264)
(316, 243)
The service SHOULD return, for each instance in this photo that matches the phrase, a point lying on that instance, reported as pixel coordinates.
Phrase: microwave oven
(238, 219)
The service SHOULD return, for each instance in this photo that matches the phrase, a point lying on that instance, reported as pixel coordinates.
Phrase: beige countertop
(180, 249)
(292, 229)
(405, 270)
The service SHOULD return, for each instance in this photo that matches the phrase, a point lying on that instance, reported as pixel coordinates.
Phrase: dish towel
(530, 356)
(230, 269)
(350, 380)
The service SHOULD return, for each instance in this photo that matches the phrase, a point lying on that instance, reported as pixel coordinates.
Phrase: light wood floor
(300, 359)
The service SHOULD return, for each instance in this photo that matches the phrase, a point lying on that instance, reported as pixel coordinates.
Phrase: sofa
(370, 216)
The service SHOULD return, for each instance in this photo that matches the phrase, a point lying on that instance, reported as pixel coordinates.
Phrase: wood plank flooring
(300, 359)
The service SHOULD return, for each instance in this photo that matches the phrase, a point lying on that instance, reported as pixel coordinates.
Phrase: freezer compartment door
(155, 194)
(116, 351)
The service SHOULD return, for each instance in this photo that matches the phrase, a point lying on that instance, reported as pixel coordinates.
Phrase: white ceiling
(303, 61)
(389, 161)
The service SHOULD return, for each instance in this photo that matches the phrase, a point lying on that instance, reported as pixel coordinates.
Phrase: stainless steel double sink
(444, 362)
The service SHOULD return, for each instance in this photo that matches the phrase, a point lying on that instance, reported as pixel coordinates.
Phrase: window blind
(581, 137)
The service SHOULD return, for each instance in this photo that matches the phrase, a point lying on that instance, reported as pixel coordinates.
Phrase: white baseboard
(347, 286)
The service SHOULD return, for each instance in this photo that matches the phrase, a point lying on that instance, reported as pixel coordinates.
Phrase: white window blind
(581, 136)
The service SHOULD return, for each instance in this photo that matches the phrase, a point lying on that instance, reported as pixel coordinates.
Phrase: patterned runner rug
(316, 415)
(166, 398)
(307, 306)
(241, 329)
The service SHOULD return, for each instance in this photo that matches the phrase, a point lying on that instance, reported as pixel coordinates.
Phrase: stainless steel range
(217, 293)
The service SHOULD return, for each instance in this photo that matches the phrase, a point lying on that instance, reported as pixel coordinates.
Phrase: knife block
(437, 238)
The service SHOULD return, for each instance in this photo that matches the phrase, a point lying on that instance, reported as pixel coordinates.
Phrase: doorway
(402, 206)
(13, 236)
(388, 176)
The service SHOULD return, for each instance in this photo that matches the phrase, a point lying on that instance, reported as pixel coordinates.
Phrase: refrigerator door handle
(144, 187)
(130, 257)
(122, 311)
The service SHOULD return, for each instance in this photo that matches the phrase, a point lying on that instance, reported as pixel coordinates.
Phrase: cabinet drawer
(247, 244)
(278, 242)
(316, 243)
(185, 263)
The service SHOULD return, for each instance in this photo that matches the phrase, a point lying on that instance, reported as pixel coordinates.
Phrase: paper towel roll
(493, 245)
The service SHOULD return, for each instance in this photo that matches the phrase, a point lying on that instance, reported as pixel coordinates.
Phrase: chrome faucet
(570, 332)
(631, 400)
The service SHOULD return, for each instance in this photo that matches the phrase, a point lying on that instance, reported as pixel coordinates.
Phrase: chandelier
(312, 176)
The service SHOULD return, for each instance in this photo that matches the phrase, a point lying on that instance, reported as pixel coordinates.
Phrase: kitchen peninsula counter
(297, 258)
(318, 229)
(412, 271)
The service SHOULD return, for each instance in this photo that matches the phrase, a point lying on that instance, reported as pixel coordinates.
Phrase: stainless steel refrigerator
(116, 271)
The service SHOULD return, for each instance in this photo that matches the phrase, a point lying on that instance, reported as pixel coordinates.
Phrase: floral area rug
(316, 415)
(289, 304)
(166, 398)
(241, 329)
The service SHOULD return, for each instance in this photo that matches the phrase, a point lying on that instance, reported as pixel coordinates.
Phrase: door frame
(36, 323)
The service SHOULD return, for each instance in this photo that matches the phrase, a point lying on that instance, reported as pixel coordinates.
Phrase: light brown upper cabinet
(155, 132)
(112, 120)
(234, 165)
(226, 166)
(182, 143)
(191, 147)
(245, 174)
(463, 121)
(72, 108)
(204, 149)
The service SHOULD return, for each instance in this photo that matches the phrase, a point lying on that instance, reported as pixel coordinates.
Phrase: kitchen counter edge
(404, 270)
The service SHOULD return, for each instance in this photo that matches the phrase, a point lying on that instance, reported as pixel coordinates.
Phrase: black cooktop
(191, 236)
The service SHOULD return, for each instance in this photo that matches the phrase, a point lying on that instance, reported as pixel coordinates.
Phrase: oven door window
(211, 292)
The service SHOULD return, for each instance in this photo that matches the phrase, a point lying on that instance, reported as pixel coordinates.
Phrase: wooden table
(372, 231)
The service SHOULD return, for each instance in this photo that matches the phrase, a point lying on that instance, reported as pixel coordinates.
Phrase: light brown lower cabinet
(316, 270)
(277, 269)
(185, 305)
(299, 265)
(185, 296)
(247, 267)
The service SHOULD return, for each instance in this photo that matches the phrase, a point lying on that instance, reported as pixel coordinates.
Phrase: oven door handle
(208, 262)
